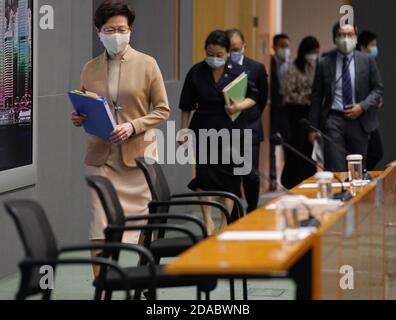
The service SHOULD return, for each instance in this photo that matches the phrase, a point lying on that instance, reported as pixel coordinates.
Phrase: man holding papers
(130, 81)
(257, 74)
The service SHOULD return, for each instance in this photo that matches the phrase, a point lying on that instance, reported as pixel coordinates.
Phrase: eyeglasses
(346, 35)
(113, 30)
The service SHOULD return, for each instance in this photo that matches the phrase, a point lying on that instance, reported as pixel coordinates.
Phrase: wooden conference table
(361, 235)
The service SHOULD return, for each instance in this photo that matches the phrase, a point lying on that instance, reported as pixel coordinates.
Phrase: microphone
(311, 221)
(277, 140)
(305, 124)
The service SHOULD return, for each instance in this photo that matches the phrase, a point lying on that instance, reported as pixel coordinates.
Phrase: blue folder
(100, 121)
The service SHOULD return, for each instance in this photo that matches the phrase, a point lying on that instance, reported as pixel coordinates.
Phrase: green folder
(236, 92)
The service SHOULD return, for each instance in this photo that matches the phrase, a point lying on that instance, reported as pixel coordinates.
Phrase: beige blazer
(141, 85)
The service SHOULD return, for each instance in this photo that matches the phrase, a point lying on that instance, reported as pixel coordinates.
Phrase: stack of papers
(361, 183)
(315, 205)
(315, 185)
(317, 152)
(302, 233)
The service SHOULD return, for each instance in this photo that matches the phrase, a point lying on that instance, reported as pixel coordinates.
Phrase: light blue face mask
(236, 57)
(215, 62)
(374, 52)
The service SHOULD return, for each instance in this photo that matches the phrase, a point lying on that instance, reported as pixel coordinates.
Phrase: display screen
(16, 84)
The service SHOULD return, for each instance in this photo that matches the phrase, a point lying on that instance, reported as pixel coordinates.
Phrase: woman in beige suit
(132, 82)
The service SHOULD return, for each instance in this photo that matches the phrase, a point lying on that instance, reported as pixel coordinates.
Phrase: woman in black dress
(203, 95)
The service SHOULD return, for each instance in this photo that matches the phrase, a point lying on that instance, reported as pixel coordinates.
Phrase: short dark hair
(219, 38)
(112, 8)
(337, 27)
(365, 38)
(307, 45)
(279, 37)
(235, 32)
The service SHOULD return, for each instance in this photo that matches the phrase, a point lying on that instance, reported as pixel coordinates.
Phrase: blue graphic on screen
(16, 83)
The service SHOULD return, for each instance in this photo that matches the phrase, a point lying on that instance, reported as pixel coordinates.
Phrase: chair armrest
(141, 250)
(185, 217)
(112, 246)
(151, 227)
(220, 194)
(223, 210)
(92, 261)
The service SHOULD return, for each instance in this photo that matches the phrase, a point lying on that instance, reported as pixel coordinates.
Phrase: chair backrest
(111, 204)
(37, 238)
(114, 212)
(156, 181)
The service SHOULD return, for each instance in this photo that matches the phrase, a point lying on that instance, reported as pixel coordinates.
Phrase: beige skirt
(132, 190)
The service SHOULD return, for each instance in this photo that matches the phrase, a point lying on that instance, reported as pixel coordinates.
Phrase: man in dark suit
(280, 62)
(258, 75)
(346, 92)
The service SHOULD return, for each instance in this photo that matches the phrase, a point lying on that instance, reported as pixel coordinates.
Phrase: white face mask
(346, 45)
(215, 63)
(312, 58)
(115, 43)
(283, 54)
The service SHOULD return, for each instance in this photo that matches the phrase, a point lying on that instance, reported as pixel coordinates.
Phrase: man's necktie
(347, 95)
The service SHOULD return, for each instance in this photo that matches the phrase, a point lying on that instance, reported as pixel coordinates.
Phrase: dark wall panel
(378, 16)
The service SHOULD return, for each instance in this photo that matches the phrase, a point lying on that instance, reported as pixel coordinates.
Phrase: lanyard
(344, 71)
(116, 107)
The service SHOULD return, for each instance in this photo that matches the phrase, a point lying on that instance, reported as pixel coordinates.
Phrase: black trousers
(279, 124)
(251, 182)
(375, 151)
(296, 169)
(273, 173)
(348, 134)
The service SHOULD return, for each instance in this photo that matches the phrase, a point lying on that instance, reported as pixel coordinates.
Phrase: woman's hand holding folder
(237, 107)
(78, 119)
(233, 108)
(122, 133)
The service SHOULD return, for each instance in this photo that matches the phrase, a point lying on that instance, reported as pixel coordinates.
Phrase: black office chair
(41, 249)
(117, 225)
(163, 199)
